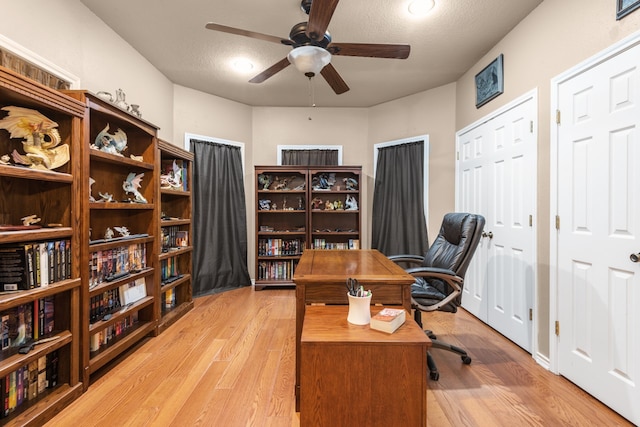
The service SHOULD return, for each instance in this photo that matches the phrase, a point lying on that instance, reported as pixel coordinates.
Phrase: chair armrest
(440, 273)
(411, 259)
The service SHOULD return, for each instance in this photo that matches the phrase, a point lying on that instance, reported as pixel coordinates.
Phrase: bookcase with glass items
(281, 223)
(303, 207)
(119, 198)
(39, 248)
(175, 249)
(334, 218)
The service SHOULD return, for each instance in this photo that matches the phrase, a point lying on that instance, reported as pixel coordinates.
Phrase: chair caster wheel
(466, 360)
(435, 376)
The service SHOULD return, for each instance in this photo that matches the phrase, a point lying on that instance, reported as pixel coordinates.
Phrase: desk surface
(365, 265)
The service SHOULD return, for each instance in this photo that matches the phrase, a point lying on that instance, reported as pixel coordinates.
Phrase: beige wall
(67, 34)
(556, 36)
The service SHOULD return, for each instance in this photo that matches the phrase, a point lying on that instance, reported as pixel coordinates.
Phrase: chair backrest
(456, 242)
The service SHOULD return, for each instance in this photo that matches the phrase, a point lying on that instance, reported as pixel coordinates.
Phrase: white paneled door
(496, 177)
(598, 238)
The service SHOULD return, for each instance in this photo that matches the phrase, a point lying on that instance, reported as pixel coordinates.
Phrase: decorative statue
(114, 144)
(265, 180)
(337, 205)
(317, 203)
(350, 184)
(264, 204)
(123, 231)
(105, 197)
(41, 139)
(120, 100)
(91, 182)
(281, 184)
(350, 203)
(30, 220)
(131, 186)
(108, 234)
(173, 178)
(323, 181)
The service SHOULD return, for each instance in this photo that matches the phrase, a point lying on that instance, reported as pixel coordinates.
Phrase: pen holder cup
(359, 310)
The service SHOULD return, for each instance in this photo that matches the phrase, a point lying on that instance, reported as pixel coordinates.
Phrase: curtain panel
(398, 219)
(219, 219)
(313, 157)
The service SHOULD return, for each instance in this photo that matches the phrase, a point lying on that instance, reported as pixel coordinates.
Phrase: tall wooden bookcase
(301, 208)
(174, 246)
(114, 263)
(54, 197)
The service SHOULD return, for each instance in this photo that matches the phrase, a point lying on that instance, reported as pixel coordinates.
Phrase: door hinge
(557, 328)
(531, 126)
(530, 220)
(557, 222)
(558, 116)
(531, 314)
(457, 155)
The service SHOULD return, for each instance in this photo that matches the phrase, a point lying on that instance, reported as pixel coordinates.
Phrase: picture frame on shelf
(490, 81)
(625, 7)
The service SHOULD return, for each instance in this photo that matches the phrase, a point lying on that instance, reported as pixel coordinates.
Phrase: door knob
(490, 234)
(635, 257)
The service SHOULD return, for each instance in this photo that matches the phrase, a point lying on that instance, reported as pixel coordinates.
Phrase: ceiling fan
(313, 47)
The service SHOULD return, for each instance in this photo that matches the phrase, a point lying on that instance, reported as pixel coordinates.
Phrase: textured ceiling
(444, 45)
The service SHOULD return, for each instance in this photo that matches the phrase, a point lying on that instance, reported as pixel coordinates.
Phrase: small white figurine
(30, 220)
(131, 186)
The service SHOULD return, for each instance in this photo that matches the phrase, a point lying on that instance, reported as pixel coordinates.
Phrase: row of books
(112, 300)
(105, 336)
(276, 270)
(27, 382)
(27, 322)
(110, 263)
(169, 269)
(279, 247)
(32, 265)
(323, 244)
(174, 238)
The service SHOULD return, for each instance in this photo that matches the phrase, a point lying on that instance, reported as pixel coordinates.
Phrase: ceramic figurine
(114, 144)
(351, 204)
(131, 186)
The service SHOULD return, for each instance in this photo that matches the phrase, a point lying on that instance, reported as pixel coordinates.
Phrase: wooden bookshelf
(288, 220)
(53, 196)
(111, 264)
(175, 253)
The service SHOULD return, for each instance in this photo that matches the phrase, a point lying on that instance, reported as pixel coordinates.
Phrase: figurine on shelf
(122, 231)
(91, 182)
(317, 203)
(105, 197)
(41, 140)
(131, 186)
(328, 206)
(172, 179)
(136, 158)
(351, 204)
(30, 220)
(120, 100)
(265, 180)
(337, 205)
(108, 233)
(283, 184)
(113, 144)
(264, 204)
(350, 183)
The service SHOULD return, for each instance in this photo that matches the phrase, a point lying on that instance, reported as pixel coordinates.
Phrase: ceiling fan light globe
(421, 7)
(309, 59)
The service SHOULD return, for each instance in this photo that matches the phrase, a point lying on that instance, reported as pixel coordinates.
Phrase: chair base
(435, 343)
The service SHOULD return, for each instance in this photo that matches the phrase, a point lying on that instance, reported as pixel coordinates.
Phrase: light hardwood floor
(230, 362)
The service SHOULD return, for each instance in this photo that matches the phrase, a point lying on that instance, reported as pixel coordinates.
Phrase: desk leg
(300, 309)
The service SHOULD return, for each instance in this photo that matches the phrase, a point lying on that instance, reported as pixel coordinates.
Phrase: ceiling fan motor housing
(299, 37)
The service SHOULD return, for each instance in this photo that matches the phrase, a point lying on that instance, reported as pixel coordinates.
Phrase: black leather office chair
(440, 275)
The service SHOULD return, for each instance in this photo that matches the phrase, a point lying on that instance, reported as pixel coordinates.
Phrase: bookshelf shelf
(53, 196)
(107, 258)
(175, 228)
(287, 216)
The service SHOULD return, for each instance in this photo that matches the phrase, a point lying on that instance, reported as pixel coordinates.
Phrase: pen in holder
(359, 303)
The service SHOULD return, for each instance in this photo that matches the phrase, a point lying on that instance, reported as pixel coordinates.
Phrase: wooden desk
(321, 275)
(355, 376)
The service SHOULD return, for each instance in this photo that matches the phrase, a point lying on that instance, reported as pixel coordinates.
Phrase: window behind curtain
(310, 155)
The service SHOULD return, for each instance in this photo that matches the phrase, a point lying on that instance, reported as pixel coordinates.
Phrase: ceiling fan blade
(278, 66)
(252, 34)
(332, 77)
(319, 17)
(394, 51)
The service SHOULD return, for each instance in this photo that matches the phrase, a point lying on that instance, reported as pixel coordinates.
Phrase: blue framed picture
(490, 82)
(625, 7)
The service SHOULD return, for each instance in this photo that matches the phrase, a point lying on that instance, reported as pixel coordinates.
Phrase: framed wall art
(625, 7)
(490, 82)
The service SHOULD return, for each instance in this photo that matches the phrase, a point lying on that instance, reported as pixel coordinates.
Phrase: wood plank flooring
(231, 362)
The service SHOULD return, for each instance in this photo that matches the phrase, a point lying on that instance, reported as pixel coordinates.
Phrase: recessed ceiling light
(242, 65)
(421, 7)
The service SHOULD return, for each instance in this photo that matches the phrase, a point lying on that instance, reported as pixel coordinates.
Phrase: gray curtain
(398, 219)
(313, 157)
(219, 219)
